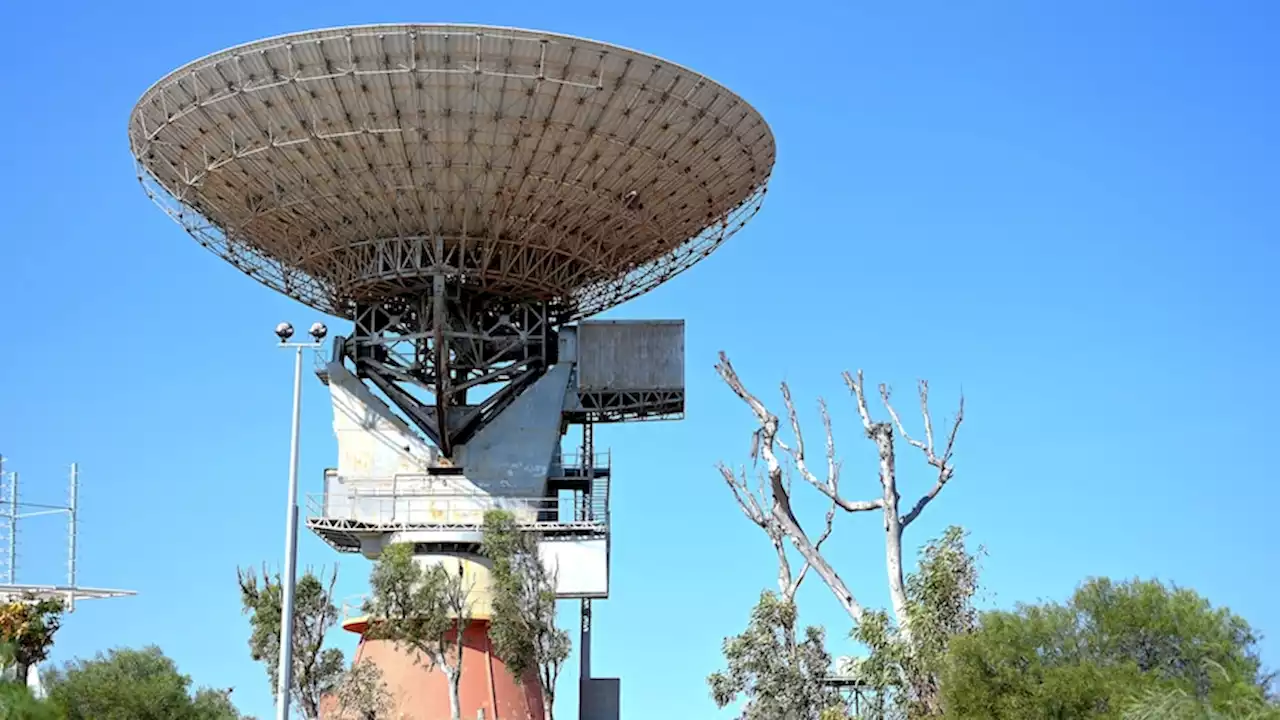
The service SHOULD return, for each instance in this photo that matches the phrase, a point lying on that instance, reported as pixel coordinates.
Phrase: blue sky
(1066, 210)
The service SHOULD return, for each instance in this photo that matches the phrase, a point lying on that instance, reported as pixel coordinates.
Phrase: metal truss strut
(451, 342)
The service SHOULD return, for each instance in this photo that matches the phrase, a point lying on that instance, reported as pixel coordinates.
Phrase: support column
(71, 535)
(441, 349)
(584, 641)
(588, 468)
(13, 526)
(584, 651)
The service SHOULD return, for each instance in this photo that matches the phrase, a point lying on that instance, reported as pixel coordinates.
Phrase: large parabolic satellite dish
(353, 165)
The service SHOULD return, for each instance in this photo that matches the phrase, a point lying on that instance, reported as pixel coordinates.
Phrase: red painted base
(421, 692)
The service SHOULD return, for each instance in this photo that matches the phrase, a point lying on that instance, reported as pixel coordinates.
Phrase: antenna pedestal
(463, 194)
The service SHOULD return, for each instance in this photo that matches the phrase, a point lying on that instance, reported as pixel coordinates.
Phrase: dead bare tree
(362, 694)
(779, 521)
(753, 503)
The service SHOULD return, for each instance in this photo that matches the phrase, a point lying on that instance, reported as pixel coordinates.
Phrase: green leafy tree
(1239, 702)
(523, 623)
(17, 703)
(903, 672)
(27, 627)
(423, 610)
(210, 704)
(899, 678)
(780, 677)
(129, 684)
(362, 694)
(1112, 648)
(316, 669)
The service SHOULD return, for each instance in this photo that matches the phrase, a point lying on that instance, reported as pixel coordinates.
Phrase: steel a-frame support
(446, 343)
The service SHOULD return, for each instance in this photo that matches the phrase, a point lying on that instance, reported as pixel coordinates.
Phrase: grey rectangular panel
(630, 355)
(601, 699)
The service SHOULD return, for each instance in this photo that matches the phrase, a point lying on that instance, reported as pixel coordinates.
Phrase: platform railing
(575, 461)
(415, 508)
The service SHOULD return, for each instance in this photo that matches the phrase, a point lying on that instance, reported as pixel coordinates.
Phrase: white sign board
(581, 566)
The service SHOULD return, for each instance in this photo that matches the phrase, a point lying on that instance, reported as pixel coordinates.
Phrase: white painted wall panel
(415, 500)
(581, 566)
(372, 441)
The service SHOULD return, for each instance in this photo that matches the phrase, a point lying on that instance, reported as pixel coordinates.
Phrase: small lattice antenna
(11, 511)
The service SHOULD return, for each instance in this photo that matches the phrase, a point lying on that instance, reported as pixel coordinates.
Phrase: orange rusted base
(420, 692)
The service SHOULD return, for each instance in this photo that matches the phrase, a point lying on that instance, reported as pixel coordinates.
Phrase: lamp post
(284, 331)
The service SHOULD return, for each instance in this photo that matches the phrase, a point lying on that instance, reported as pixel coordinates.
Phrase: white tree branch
(902, 430)
(764, 442)
(746, 499)
(831, 486)
(882, 435)
(941, 462)
(751, 507)
(855, 386)
(831, 516)
(786, 585)
(833, 467)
